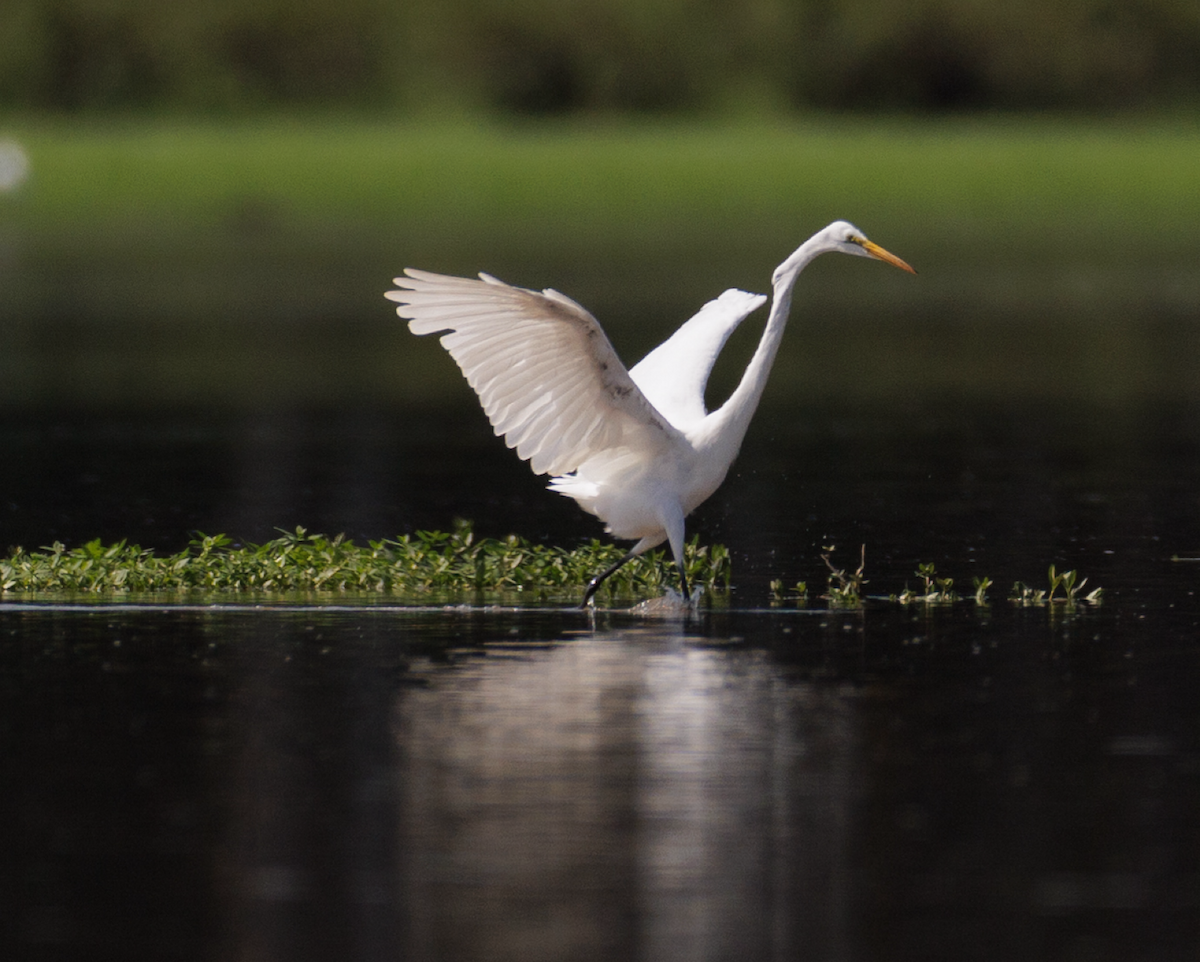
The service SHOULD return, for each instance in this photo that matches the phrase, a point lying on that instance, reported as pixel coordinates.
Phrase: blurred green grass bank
(151, 262)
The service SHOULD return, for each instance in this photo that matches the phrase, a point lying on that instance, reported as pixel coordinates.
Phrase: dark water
(376, 782)
(388, 784)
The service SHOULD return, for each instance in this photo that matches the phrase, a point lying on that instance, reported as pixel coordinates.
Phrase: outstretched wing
(546, 374)
(673, 376)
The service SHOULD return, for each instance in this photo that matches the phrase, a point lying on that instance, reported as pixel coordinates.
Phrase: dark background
(549, 56)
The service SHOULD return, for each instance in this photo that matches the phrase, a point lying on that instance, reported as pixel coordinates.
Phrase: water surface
(382, 783)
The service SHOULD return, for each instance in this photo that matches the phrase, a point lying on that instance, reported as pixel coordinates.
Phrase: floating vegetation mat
(428, 563)
(443, 567)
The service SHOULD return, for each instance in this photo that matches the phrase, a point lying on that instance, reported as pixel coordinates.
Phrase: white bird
(637, 448)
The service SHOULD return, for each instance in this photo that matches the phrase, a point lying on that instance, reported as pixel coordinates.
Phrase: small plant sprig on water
(798, 593)
(1067, 581)
(938, 591)
(981, 587)
(1026, 596)
(845, 590)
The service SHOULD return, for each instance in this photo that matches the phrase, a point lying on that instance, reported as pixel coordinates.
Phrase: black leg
(683, 581)
(596, 582)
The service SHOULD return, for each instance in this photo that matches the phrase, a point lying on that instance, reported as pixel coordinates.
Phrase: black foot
(596, 582)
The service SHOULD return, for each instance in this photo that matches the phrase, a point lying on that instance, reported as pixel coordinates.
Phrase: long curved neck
(733, 417)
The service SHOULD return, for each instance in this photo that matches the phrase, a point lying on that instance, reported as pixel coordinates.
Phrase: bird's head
(840, 237)
(845, 238)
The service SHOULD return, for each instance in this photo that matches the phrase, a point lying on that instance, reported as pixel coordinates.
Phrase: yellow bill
(886, 256)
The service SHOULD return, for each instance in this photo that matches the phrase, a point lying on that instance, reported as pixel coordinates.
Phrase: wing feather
(546, 375)
(675, 373)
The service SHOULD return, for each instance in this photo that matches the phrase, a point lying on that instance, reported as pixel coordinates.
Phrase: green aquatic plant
(419, 564)
(845, 590)
(1071, 587)
(1026, 596)
(445, 565)
(797, 593)
(981, 586)
(1068, 581)
(937, 591)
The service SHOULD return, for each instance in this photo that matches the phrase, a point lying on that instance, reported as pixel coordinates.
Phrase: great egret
(637, 448)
